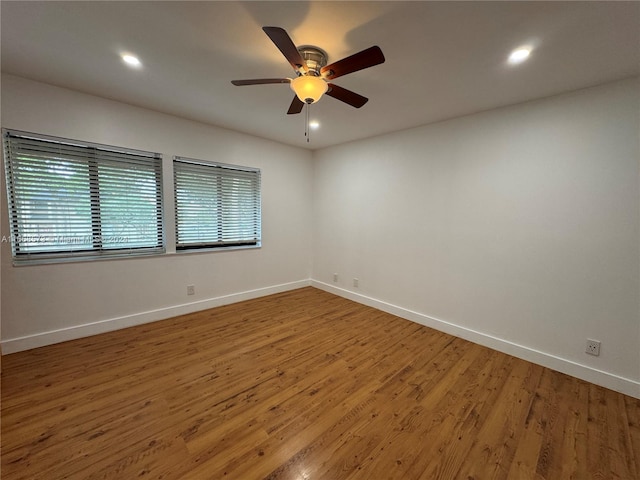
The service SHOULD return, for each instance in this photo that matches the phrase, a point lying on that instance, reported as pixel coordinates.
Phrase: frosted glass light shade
(308, 88)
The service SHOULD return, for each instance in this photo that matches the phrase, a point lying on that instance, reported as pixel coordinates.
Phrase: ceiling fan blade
(283, 41)
(346, 96)
(358, 61)
(296, 106)
(260, 81)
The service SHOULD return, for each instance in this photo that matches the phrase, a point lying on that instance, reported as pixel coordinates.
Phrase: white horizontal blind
(217, 205)
(71, 199)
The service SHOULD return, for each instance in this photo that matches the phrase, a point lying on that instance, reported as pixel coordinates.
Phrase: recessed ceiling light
(314, 124)
(131, 60)
(519, 55)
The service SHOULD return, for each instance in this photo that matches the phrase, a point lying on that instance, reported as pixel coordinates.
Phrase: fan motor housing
(314, 57)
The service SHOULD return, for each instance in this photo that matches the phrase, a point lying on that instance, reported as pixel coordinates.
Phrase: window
(217, 205)
(72, 199)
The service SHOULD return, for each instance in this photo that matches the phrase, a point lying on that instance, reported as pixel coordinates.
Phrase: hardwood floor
(303, 385)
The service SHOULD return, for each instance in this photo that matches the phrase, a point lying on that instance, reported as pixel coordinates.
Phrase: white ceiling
(444, 59)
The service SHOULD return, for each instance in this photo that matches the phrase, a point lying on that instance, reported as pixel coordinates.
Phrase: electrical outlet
(335, 277)
(355, 282)
(593, 347)
(191, 289)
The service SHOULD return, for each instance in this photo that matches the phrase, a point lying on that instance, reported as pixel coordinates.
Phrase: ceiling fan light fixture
(308, 88)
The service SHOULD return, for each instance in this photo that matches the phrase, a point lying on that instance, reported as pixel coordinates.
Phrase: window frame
(100, 250)
(221, 244)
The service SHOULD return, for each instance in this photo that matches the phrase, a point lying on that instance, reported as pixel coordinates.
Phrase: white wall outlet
(191, 289)
(355, 282)
(335, 277)
(593, 347)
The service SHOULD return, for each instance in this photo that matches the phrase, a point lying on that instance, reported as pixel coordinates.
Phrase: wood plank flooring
(298, 386)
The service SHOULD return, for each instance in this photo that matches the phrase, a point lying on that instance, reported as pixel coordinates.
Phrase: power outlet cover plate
(593, 347)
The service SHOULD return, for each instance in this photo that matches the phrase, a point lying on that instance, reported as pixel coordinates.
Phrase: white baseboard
(614, 382)
(605, 379)
(13, 345)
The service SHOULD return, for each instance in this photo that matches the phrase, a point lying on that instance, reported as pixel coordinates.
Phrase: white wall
(43, 304)
(517, 228)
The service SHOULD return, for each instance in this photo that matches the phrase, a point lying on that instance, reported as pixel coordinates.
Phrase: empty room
(320, 240)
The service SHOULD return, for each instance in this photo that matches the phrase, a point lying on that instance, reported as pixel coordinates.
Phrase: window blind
(217, 205)
(71, 199)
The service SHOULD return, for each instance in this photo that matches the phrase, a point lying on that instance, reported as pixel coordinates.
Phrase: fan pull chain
(307, 132)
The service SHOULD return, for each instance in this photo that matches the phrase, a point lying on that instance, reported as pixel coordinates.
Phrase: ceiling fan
(313, 73)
